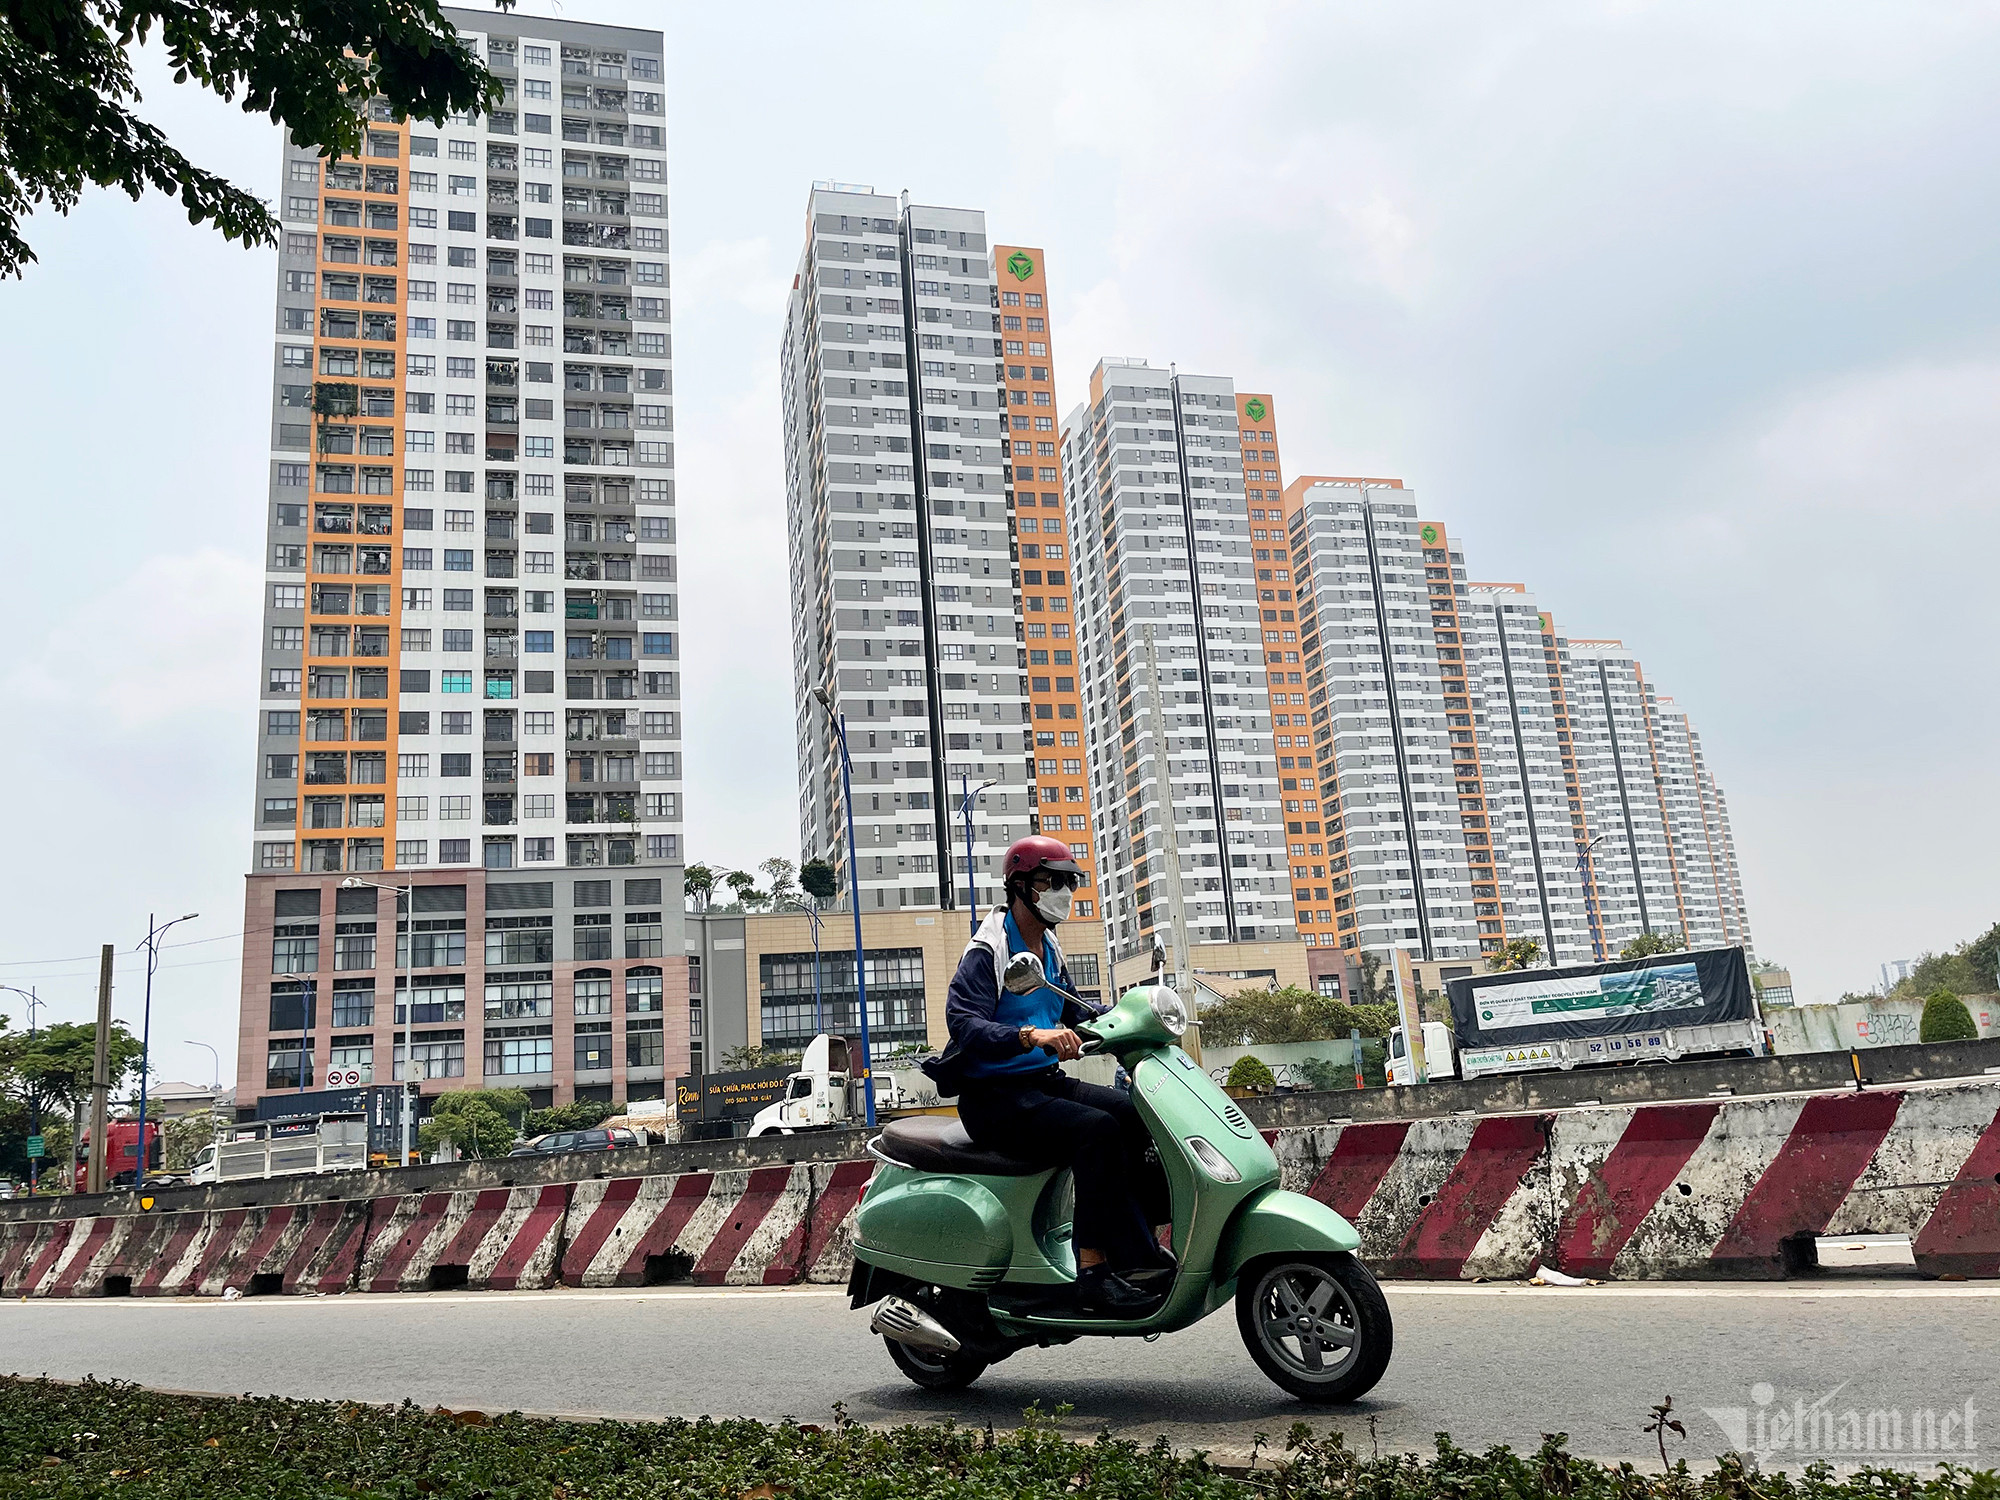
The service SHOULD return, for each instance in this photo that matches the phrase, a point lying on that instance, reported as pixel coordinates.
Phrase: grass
(98, 1439)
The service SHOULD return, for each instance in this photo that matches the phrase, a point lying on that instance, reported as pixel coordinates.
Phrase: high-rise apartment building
(1479, 777)
(471, 673)
(1178, 733)
(1396, 870)
(1061, 787)
(906, 595)
(1539, 830)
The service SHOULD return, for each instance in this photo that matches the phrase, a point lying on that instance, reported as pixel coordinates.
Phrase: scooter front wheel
(1317, 1324)
(935, 1370)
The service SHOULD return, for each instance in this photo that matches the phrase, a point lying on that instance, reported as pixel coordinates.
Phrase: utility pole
(100, 1079)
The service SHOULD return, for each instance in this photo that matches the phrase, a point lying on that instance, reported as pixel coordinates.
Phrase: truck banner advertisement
(1668, 989)
(728, 1096)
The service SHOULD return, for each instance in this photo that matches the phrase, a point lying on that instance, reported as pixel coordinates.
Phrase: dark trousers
(1054, 1120)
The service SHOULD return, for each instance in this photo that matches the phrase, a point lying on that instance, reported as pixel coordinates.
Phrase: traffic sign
(35, 1146)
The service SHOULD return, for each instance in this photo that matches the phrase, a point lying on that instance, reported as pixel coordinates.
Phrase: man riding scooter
(1013, 1098)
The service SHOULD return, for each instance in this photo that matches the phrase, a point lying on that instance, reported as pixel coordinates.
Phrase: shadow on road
(1097, 1403)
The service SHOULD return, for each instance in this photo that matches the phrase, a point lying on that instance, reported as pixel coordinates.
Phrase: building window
(519, 1054)
(643, 992)
(645, 1044)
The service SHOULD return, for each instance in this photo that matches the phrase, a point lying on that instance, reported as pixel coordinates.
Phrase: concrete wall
(1878, 1023)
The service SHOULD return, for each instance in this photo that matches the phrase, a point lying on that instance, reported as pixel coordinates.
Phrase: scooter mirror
(1159, 956)
(1024, 974)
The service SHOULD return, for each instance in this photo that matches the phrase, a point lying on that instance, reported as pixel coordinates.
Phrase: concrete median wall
(1722, 1188)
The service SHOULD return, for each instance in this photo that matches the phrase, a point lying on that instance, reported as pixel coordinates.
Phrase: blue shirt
(1042, 1009)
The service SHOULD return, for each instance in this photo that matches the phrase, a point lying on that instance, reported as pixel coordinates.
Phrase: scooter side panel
(952, 1229)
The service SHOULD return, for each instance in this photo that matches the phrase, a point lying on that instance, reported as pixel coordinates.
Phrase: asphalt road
(1489, 1364)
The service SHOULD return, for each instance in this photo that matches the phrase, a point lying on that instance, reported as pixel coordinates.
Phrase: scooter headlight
(1168, 1010)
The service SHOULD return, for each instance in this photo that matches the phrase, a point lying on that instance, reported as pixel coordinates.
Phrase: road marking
(1779, 1291)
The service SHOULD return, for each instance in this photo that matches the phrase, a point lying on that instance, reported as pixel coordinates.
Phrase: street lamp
(839, 722)
(35, 1003)
(965, 808)
(214, 1055)
(813, 919)
(152, 946)
(1583, 863)
(305, 1023)
(405, 1121)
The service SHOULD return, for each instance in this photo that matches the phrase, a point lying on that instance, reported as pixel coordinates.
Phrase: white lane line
(1776, 1291)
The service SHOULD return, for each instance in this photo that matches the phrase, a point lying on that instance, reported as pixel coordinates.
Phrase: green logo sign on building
(1021, 264)
(1429, 534)
(1255, 409)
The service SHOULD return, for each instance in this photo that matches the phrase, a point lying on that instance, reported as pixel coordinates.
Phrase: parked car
(576, 1140)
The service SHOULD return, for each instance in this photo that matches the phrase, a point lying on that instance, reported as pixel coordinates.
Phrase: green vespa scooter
(968, 1251)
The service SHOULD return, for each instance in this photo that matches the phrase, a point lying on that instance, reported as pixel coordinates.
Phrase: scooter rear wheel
(1317, 1324)
(935, 1370)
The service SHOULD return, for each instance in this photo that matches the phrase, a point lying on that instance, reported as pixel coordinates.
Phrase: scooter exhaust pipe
(907, 1323)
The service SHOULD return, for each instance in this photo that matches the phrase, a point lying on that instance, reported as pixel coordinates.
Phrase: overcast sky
(1684, 315)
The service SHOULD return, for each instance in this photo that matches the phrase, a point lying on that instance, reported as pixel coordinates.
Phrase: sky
(1683, 315)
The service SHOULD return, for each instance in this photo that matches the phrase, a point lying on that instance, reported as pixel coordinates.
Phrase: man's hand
(1059, 1040)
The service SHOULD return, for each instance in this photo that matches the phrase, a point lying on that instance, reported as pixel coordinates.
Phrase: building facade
(1061, 787)
(906, 601)
(1178, 732)
(471, 668)
(1387, 749)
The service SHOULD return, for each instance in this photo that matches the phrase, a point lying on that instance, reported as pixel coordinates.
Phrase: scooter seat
(939, 1143)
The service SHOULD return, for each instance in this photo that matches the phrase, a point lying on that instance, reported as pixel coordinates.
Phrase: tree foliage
(480, 1122)
(56, 1063)
(182, 1139)
(1646, 944)
(819, 880)
(66, 87)
(1967, 969)
(1516, 953)
(1946, 1019)
(1260, 1017)
(698, 882)
(1250, 1072)
(578, 1114)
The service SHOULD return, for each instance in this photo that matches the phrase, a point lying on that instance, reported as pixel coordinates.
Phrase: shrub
(1946, 1020)
(1249, 1072)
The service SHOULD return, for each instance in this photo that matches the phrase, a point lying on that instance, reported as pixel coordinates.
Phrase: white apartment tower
(906, 607)
(471, 673)
(1394, 838)
(1515, 675)
(1177, 712)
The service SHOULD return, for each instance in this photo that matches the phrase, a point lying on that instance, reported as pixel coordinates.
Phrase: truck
(823, 1094)
(300, 1146)
(1667, 1007)
(123, 1168)
(379, 1105)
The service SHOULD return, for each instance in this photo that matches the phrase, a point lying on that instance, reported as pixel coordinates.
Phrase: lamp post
(406, 1126)
(1583, 863)
(35, 1003)
(813, 919)
(965, 809)
(839, 722)
(305, 1023)
(214, 1056)
(152, 946)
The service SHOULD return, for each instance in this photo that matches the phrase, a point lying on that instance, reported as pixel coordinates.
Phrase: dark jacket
(969, 1012)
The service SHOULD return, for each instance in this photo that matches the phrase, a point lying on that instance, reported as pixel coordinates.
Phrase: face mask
(1052, 905)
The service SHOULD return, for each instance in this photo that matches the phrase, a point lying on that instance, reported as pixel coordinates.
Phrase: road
(1489, 1364)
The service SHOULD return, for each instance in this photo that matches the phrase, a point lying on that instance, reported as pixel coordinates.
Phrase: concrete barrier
(495, 1239)
(1723, 1188)
(734, 1228)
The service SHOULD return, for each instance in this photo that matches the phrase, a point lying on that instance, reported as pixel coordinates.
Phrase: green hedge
(104, 1439)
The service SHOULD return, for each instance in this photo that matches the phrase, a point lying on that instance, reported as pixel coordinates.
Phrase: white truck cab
(823, 1094)
(1440, 1060)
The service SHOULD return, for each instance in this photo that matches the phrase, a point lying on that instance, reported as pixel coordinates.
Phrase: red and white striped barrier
(499, 1238)
(1716, 1189)
(716, 1228)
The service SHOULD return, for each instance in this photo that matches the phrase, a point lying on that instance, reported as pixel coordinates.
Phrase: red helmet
(1038, 852)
